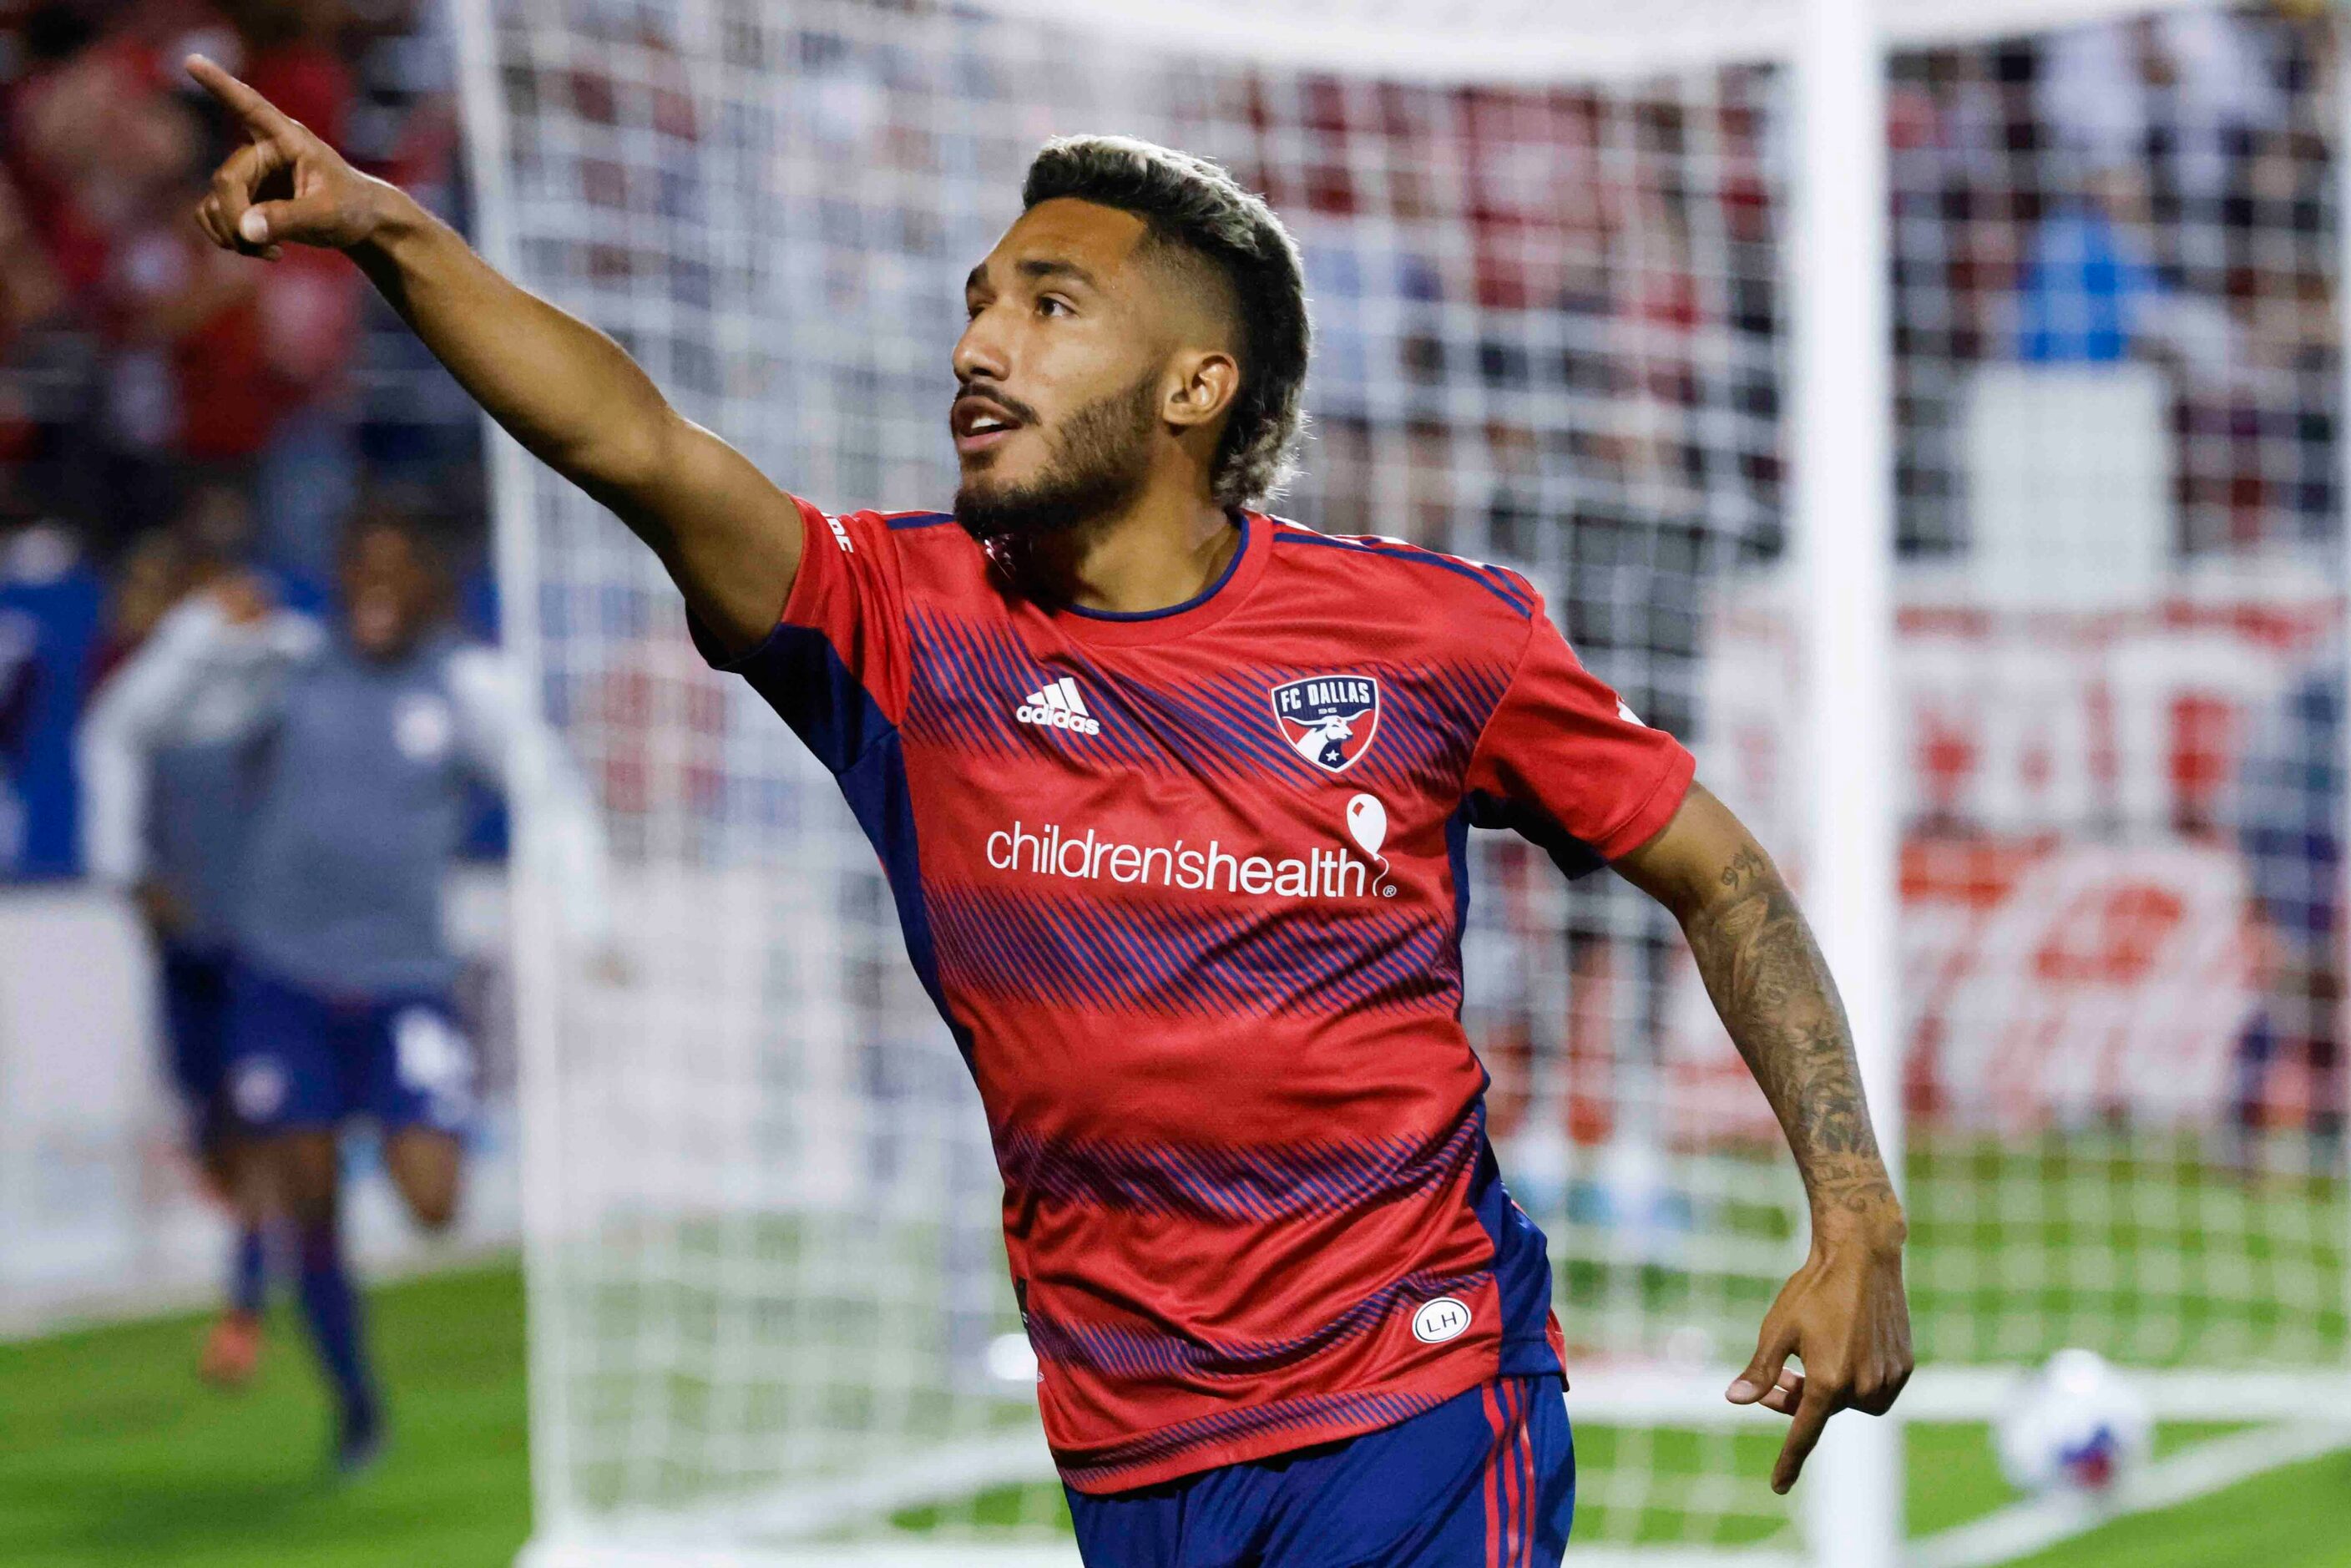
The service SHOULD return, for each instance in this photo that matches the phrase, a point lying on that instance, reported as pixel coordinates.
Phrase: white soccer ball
(2078, 1425)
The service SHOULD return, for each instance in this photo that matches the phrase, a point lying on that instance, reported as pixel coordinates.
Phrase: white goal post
(1931, 409)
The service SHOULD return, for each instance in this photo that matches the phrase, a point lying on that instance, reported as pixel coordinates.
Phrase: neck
(1161, 551)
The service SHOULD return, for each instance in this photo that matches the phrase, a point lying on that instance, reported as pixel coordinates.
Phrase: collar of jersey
(1125, 627)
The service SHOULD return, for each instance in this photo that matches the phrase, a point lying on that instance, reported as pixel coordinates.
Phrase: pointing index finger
(259, 114)
(1812, 1413)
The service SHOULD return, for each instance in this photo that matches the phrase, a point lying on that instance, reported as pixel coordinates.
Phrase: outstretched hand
(1845, 1316)
(285, 186)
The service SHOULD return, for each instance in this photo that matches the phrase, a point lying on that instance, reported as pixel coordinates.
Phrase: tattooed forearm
(1773, 988)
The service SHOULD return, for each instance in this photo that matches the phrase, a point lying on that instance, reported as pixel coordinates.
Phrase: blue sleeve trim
(1573, 857)
(1484, 577)
(899, 522)
(882, 801)
(800, 675)
(706, 645)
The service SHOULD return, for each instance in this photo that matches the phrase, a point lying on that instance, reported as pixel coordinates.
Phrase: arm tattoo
(1773, 988)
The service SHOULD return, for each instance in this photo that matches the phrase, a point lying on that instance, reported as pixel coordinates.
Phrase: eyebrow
(1069, 269)
(1039, 269)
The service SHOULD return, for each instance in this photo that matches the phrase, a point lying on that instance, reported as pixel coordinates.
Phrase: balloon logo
(1368, 822)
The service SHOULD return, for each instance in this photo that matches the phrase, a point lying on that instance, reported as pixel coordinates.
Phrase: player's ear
(1205, 383)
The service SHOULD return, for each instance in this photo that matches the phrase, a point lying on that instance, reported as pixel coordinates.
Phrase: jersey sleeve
(835, 666)
(1564, 762)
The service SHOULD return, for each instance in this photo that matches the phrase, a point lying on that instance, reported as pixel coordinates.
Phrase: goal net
(1549, 244)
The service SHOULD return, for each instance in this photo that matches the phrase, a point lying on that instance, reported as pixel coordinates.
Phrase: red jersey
(1188, 888)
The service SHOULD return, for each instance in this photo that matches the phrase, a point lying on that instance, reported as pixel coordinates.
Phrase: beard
(1101, 461)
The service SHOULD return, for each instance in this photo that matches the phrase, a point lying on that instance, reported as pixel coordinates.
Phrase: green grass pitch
(110, 1453)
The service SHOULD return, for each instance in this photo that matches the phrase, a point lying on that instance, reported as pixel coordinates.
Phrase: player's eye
(1052, 304)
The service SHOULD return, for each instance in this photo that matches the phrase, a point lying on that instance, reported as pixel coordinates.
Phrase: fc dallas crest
(1329, 719)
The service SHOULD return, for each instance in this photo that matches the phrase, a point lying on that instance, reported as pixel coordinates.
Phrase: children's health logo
(1329, 720)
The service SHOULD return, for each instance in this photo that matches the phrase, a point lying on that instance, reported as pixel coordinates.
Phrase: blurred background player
(358, 746)
(168, 797)
(2292, 832)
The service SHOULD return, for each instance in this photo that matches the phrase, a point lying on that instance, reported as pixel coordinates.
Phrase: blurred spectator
(2093, 94)
(2088, 280)
(30, 293)
(29, 288)
(186, 380)
(307, 306)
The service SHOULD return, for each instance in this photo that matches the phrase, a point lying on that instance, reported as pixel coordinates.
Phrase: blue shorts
(1486, 1480)
(195, 1037)
(299, 1060)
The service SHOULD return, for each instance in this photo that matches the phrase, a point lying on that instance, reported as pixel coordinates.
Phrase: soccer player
(1172, 796)
(164, 824)
(358, 748)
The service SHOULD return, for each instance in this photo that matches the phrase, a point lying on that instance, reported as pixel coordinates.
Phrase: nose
(979, 353)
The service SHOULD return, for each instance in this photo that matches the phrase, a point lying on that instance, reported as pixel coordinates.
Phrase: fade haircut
(1193, 205)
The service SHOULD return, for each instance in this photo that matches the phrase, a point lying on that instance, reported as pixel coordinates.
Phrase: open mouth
(980, 424)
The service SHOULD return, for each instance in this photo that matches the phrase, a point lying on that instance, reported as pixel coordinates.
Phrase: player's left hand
(1845, 1317)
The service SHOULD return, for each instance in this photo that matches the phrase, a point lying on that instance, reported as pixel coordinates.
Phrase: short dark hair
(1193, 203)
(409, 511)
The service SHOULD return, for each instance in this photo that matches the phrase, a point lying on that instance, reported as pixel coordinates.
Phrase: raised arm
(729, 536)
(1843, 1313)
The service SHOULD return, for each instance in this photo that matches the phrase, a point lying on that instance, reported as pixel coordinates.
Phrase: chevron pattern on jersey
(1242, 1185)
(1169, 960)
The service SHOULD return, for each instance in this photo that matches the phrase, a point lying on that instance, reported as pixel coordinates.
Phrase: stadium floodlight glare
(1588, 301)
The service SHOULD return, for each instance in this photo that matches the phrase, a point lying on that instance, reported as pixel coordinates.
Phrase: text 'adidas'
(1058, 706)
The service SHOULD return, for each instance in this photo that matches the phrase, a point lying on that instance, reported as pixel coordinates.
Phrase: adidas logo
(1058, 706)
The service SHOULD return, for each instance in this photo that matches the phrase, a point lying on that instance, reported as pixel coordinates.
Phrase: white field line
(2031, 1527)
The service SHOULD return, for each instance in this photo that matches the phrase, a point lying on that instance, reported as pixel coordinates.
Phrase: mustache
(995, 394)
